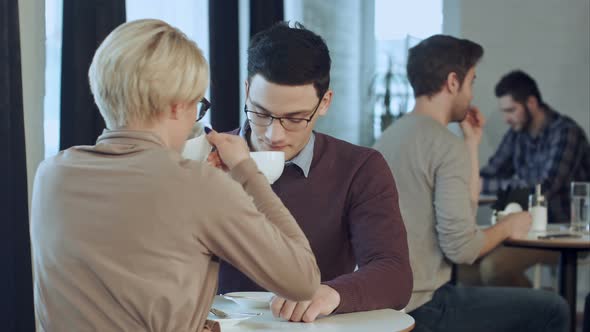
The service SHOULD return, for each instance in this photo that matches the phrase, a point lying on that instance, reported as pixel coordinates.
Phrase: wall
(32, 38)
(349, 33)
(549, 39)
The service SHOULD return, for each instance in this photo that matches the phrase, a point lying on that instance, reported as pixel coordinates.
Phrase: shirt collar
(550, 118)
(302, 160)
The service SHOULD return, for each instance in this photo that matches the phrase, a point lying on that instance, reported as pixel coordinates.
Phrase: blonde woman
(126, 233)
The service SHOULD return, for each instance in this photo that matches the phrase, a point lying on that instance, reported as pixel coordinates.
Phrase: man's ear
(452, 83)
(532, 102)
(326, 102)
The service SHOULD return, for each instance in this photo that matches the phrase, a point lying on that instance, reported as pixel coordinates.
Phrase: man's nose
(275, 132)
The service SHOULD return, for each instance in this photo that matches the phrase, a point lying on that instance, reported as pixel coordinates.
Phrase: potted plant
(390, 88)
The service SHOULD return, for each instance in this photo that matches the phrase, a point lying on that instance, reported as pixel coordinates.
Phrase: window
(51, 102)
(399, 25)
(190, 16)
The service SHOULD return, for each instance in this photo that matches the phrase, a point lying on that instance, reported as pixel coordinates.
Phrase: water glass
(580, 206)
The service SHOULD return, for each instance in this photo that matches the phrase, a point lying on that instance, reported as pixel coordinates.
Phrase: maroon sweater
(348, 209)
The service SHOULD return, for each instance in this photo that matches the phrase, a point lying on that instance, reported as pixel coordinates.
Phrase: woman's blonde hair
(142, 68)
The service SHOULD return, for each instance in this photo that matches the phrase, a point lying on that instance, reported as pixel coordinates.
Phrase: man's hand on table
(324, 302)
(519, 224)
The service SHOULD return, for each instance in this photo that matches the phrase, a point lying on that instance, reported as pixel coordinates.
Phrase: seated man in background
(124, 233)
(343, 196)
(437, 174)
(541, 146)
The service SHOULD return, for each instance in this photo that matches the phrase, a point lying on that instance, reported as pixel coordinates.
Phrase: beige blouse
(126, 234)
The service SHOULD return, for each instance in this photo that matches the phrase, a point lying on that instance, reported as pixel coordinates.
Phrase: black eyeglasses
(202, 107)
(289, 123)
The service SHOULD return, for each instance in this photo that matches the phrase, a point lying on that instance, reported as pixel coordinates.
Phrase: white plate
(229, 321)
(258, 300)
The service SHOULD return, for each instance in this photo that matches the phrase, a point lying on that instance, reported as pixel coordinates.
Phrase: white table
(385, 320)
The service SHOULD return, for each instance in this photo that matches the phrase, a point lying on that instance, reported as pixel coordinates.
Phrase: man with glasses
(343, 196)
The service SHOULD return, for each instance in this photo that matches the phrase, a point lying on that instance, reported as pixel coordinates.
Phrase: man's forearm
(378, 285)
(494, 236)
(475, 186)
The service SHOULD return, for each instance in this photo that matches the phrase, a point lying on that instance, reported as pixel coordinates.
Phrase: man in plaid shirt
(542, 146)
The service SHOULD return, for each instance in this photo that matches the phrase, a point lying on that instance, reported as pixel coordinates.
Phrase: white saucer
(258, 300)
(229, 321)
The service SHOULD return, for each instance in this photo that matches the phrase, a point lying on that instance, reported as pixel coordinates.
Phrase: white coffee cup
(509, 209)
(197, 148)
(270, 163)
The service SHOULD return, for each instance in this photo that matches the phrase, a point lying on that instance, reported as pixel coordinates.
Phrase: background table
(487, 199)
(385, 320)
(568, 268)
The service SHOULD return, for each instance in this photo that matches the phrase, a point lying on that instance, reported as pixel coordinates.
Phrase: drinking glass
(580, 207)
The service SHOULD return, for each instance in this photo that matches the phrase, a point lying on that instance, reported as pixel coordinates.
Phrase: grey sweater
(431, 168)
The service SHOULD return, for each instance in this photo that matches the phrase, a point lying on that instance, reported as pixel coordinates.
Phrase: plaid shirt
(555, 158)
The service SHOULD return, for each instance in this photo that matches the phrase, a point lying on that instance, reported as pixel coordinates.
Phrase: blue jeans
(492, 309)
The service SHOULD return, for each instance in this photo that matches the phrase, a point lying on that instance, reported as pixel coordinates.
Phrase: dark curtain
(586, 319)
(264, 13)
(224, 61)
(16, 284)
(85, 25)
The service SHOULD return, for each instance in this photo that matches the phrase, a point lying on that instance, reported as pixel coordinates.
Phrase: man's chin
(288, 153)
(273, 148)
(284, 149)
(459, 117)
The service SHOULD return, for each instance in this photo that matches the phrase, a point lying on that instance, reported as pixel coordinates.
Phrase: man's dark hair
(433, 59)
(290, 56)
(519, 85)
